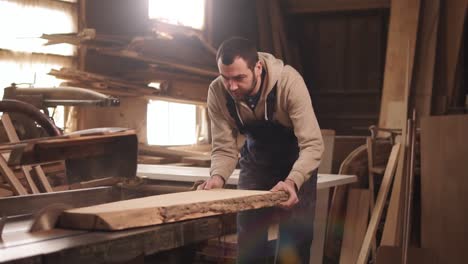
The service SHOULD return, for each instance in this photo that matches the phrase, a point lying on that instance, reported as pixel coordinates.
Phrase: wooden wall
(343, 55)
(233, 18)
(118, 17)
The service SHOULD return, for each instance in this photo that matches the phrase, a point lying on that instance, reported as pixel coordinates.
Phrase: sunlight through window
(171, 123)
(28, 73)
(21, 25)
(189, 13)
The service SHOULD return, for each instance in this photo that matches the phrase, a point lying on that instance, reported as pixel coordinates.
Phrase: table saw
(18, 244)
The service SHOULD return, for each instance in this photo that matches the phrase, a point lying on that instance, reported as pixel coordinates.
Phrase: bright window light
(190, 13)
(155, 85)
(32, 74)
(22, 24)
(171, 123)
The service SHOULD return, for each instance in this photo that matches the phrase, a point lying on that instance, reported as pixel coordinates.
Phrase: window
(23, 56)
(23, 22)
(171, 123)
(190, 13)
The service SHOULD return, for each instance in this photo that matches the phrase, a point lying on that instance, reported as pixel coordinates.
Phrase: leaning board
(167, 208)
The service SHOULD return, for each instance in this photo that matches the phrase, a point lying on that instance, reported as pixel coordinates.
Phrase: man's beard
(254, 84)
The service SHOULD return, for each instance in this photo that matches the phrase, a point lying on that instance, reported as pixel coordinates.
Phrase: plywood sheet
(167, 208)
(444, 184)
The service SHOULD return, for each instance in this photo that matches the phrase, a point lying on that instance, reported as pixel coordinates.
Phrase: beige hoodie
(293, 109)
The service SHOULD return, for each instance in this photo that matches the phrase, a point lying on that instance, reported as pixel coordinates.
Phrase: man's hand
(215, 182)
(290, 187)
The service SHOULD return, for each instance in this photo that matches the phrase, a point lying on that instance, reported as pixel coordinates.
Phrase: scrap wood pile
(124, 66)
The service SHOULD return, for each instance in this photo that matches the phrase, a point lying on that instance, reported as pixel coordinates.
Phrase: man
(268, 102)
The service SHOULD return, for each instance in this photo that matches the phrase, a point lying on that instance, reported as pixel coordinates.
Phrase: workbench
(178, 175)
(78, 246)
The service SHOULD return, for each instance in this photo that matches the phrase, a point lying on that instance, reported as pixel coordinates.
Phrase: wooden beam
(318, 6)
(404, 18)
(42, 179)
(379, 205)
(71, 147)
(10, 177)
(425, 59)
(168, 208)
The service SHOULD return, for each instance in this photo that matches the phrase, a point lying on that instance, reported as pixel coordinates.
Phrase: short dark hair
(237, 47)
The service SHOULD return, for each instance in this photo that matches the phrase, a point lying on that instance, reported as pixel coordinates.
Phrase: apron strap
(270, 104)
(232, 109)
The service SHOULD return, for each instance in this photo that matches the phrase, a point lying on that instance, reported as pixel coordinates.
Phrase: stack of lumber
(101, 83)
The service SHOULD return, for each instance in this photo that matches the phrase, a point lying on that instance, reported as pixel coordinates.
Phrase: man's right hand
(215, 182)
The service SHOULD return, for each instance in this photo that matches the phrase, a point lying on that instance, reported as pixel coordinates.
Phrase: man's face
(238, 78)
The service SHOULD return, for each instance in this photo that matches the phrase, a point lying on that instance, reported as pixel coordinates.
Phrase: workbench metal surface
(108, 247)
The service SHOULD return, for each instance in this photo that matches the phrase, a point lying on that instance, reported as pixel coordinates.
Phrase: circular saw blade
(47, 217)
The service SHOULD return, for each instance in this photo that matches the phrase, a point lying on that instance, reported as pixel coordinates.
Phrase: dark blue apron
(267, 157)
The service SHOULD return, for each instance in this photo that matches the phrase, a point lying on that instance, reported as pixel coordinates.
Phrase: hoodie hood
(273, 67)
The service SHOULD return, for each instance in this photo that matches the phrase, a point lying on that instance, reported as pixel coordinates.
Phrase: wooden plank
(144, 159)
(395, 98)
(167, 208)
(370, 160)
(426, 57)
(320, 226)
(444, 184)
(171, 154)
(10, 177)
(393, 222)
(379, 205)
(355, 225)
(42, 178)
(401, 45)
(316, 6)
(78, 146)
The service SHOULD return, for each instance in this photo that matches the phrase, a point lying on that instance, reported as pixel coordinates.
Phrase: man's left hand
(290, 187)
